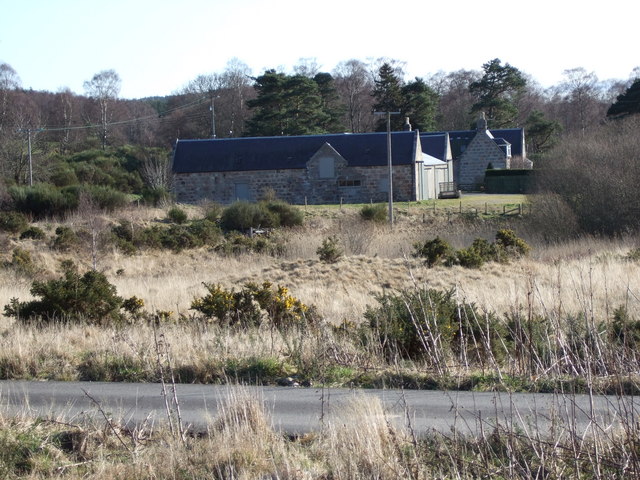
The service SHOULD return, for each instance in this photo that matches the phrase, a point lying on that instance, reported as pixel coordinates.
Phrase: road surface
(300, 410)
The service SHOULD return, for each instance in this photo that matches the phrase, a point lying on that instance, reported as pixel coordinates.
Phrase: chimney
(407, 125)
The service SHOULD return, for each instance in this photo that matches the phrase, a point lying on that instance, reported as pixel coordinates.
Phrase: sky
(158, 46)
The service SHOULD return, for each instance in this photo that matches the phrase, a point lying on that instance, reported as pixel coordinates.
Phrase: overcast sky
(158, 46)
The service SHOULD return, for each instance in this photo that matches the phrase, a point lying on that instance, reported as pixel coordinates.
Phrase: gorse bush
(12, 222)
(74, 297)
(330, 251)
(242, 215)
(22, 262)
(177, 215)
(507, 246)
(433, 251)
(433, 326)
(65, 240)
(32, 232)
(252, 305)
(44, 200)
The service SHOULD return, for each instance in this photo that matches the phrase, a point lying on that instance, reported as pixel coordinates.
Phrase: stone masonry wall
(294, 186)
(480, 152)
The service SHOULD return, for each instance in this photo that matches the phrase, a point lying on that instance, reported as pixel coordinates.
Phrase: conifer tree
(627, 103)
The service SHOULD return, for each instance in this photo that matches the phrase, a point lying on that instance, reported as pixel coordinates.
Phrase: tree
(330, 102)
(104, 87)
(388, 97)
(354, 86)
(542, 134)
(582, 107)
(419, 104)
(288, 105)
(496, 93)
(627, 103)
(455, 99)
(595, 178)
(9, 82)
(269, 117)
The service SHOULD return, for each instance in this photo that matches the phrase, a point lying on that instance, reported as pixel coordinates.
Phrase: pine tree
(420, 105)
(388, 96)
(497, 92)
(627, 103)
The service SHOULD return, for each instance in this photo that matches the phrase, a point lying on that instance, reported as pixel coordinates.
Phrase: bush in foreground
(74, 297)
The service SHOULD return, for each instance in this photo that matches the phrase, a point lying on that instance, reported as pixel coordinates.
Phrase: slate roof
(434, 144)
(461, 138)
(280, 153)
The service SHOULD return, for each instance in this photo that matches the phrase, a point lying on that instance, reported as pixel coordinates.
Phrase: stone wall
(295, 186)
(480, 152)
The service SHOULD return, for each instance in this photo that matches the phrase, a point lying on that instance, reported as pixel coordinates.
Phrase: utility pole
(389, 162)
(29, 130)
(213, 115)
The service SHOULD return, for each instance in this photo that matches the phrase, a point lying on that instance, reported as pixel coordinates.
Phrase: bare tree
(307, 67)
(455, 98)
(156, 171)
(104, 87)
(355, 85)
(581, 99)
(9, 82)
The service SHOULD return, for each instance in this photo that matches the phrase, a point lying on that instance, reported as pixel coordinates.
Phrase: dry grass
(360, 442)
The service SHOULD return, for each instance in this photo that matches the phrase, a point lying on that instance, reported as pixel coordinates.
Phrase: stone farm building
(334, 168)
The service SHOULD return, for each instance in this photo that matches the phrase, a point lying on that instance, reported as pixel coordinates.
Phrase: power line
(161, 117)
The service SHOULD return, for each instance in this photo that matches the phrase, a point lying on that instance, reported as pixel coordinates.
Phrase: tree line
(235, 103)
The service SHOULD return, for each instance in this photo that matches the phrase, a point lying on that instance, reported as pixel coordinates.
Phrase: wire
(162, 117)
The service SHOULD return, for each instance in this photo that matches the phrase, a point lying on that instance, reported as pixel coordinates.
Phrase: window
(242, 191)
(349, 183)
(326, 167)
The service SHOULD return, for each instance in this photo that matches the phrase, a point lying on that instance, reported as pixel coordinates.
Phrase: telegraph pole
(389, 162)
(29, 130)
(213, 115)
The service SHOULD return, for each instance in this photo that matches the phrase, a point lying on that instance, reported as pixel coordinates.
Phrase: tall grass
(362, 440)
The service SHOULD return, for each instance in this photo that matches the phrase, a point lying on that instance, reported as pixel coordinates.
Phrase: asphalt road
(300, 410)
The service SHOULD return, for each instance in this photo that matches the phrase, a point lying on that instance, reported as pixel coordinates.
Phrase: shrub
(433, 251)
(236, 243)
(374, 213)
(330, 250)
(12, 222)
(73, 297)
(431, 325)
(213, 212)
(177, 215)
(467, 258)
(22, 262)
(252, 304)
(42, 200)
(600, 204)
(510, 245)
(65, 240)
(242, 216)
(105, 197)
(206, 231)
(156, 196)
(287, 215)
(33, 232)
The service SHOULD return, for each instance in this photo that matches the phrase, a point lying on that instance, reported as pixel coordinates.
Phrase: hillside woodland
(104, 278)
